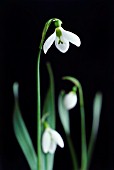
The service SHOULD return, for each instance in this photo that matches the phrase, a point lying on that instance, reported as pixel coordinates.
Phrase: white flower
(62, 39)
(70, 100)
(50, 140)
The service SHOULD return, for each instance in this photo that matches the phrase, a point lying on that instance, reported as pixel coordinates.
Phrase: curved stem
(83, 130)
(38, 113)
(38, 93)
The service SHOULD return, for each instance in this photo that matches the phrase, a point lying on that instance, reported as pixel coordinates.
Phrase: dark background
(21, 24)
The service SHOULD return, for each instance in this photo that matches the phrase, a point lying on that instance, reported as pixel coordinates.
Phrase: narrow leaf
(97, 104)
(49, 103)
(63, 114)
(49, 110)
(22, 134)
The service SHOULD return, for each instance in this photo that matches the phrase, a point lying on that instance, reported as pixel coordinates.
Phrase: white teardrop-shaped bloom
(70, 100)
(46, 141)
(50, 140)
(62, 39)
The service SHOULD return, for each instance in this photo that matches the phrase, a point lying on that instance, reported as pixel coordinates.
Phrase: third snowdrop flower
(70, 100)
(62, 39)
(50, 140)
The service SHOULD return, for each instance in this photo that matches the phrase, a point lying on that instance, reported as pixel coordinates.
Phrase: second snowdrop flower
(50, 140)
(70, 100)
(62, 39)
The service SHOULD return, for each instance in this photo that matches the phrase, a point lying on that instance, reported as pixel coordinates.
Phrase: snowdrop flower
(62, 39)
(70, 100)
(50, 140)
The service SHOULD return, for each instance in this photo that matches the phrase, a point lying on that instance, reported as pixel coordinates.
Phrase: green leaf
(49, 103)
(22, 134)
(63, 114)
(97, 104)
(49, 109)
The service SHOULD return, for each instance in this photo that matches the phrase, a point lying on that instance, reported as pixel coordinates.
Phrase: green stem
(72, 152)
(38, 93)
(83, 131)
(38, 113)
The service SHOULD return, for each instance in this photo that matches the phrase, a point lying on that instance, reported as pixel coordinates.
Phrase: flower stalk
(38, 92)
(83, 131)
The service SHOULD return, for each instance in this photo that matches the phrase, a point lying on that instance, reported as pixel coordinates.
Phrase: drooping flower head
(62, 39)
(70, 100)
(50, 140)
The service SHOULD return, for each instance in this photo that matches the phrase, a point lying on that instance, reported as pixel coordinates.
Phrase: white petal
(49, 42)
(62, 47)
(71, 37)
(53, 147)
(57, 138)
(46, 141)
(70, 100)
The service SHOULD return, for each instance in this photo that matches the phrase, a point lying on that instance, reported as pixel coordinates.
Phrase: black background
(21, 24)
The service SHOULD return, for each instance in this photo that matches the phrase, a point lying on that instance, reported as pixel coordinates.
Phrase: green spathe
(59, 34)
(57, 22)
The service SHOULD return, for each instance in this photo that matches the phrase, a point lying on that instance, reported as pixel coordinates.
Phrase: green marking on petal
(59, 34)
(60, 42)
